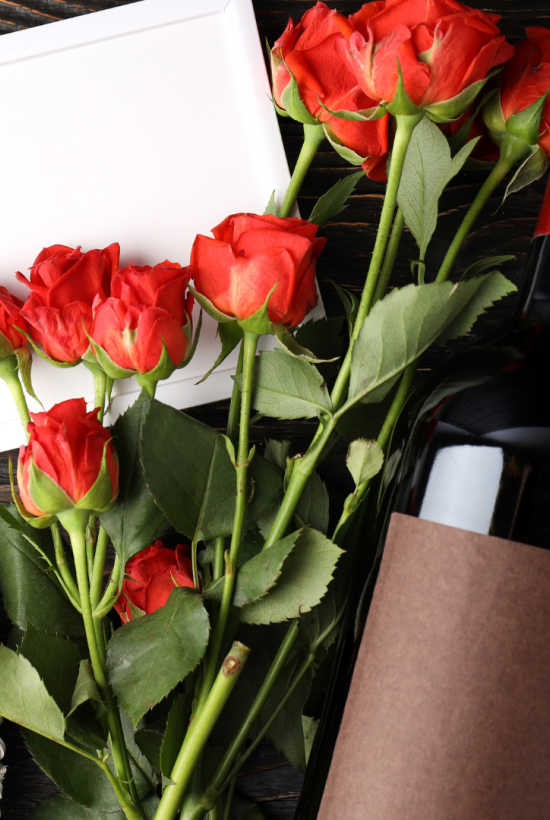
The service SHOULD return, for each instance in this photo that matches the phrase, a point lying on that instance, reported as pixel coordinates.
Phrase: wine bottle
(475, 456)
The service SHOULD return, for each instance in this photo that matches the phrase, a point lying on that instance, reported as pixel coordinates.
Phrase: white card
(144, 125)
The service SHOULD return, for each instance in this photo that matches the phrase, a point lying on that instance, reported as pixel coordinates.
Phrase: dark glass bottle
(475, 454)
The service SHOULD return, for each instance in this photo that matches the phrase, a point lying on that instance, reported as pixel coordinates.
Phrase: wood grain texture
(267, 778)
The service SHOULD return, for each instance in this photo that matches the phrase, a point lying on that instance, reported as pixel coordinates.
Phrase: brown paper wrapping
(448, 716)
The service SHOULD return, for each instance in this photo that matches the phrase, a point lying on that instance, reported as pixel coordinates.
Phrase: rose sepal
(493, 117)
(41, 353)
(401, 104)
(46, 493)
(192, 339)
(288, 343)
(259, 322)
(453, 108)
(346, 153)
(105, 362)
(526, 124)
(293, 104)
(99, 497)
(24, 362)
(209, 307)
(6, 348)
(366, 115)
(40, 522)
(278, 109)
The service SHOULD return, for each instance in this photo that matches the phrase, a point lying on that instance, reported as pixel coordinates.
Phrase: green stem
(232, 434)
(303, 469)
(390, 257)
(229, 799)
(258, 704)
(150, 387)
(111, 592)
(313, 137)
(250, 344)
(512, 151)
(305, 466)
(98, 567)
(100, 390)
(199, 731)
(75, 522)
(8, 372)
(63, 566)
(383, 439)
(403, 134)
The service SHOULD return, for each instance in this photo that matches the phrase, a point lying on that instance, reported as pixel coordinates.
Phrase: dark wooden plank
(266, 777)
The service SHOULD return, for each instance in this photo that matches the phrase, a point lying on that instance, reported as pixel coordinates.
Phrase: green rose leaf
(176, 725)
(484, 264)
(61, 807)
(136, 521)
(288, 388)
(79, 777)
(324, 337)
(304, 580)
(257, 576)
(231, 335)
(30, 590)
(407, 321)
(24, 698)
(427, 171)
(334, 201)
(529, 171)
(56, 660)
(192, 479)
(364, 460)
(86, 705)
(148, 657)
(313, 506)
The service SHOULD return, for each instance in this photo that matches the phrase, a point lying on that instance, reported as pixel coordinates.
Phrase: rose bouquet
(144, 683)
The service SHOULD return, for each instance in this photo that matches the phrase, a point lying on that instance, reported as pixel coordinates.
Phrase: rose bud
(64, 283)
(10, 319)
(444, 49)
(522, 109)
(253, 259)
(151, 575)
(15, 356)
(69, 463)
(145, 327)
(325, 83)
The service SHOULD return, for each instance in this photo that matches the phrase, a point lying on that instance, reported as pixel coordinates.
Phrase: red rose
(148, 306)
(443, 47)
(150, 578)
(64, 283)
(70, 447)
(526, 78)
(10, 316)
(251, 254)
(307, 48)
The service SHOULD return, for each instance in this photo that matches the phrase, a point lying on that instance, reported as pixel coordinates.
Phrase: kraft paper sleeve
(448, 716)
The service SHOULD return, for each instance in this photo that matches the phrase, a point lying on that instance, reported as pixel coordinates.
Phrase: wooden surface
(505, 230)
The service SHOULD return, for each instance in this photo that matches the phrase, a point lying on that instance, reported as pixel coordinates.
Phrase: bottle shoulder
(474, 442)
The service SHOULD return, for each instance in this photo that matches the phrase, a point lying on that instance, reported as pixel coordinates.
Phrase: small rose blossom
(10, 318)
(148, 306)
(249, 256)
(150, 578)
(526, 78)
(68, 445)
(307, 49)
(64, 283)
(442, 46)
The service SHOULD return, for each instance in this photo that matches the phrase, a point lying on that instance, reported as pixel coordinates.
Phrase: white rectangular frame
(39, 66)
